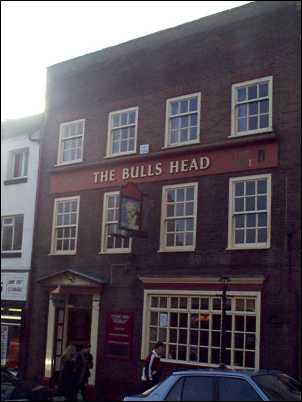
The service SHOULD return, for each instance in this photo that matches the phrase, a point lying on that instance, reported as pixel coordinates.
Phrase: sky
(37, 34)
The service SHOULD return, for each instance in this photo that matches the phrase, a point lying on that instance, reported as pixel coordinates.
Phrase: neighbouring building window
(65, 225)
(252, 107)
(122, 132)
(182, 120)
(18, 163)
(190, 328)
(11, 233)
(179, 214)
(250, 212)
(71, 142)
(111, 243)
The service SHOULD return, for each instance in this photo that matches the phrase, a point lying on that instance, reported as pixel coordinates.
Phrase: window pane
(189, 239)
(262, 186)
(250, 203)
(253, 108)
(264, 122)
(242, 110)
(264, 106)
(239, 188)
(184, 106)
(7, 238)
(262, 219)
(193, 104)
(261, 202)
(241, 94)
(198, 389)
(170, 240)
(252, 92)
(189, 193)
(242, 124)
(18, 232)
(262, 235)
(250, 188)
(251, 220)
(251, 236)
(263, 90)
(180, 194)
(251, 324)
(235, 389)
(253, 123)
(174, 107)
(239, 204)
(239, 236)
(239, 221)
(239, 341)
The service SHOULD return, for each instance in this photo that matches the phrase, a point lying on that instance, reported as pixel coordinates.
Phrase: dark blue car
(223, 385)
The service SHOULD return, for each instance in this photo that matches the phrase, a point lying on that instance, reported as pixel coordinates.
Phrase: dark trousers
(83, 389)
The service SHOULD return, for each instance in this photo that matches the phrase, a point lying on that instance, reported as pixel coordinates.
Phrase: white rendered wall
(20, 198)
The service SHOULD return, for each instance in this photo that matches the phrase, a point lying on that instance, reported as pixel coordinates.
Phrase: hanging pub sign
(130, 211)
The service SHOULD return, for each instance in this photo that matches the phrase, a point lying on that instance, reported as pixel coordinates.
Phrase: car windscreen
(279, 387)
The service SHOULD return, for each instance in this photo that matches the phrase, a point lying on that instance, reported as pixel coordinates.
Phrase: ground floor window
(10, 345)
(190, 327)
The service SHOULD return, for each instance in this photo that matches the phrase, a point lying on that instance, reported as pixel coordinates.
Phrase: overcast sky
(37, 34)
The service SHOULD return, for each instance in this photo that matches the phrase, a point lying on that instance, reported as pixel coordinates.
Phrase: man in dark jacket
(152, 371)
(84, 363)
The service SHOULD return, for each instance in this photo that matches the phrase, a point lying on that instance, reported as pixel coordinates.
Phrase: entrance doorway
(72, 324)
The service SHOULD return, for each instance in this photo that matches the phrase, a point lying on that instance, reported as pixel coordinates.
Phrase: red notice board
(119, 334)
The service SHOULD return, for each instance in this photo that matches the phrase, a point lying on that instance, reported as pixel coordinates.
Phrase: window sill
(115, 252)
(176, 250)
(264, 247)
(186, 144)
(11, 254)
(120, 155)
(15, 181)
(62, 254)
(68, 163)
(254, 132)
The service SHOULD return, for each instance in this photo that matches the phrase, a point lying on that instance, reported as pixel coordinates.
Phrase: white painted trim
(94, 334)
(50, 338)
(103, 240)
(234, 133)
(204, 280)
(168, 101)
(109, 137)
(52, 246)
(163, 247)
(166, 292)
(231, 244)
(59, 155)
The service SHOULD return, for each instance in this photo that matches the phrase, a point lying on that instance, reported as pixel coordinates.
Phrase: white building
(19, 176)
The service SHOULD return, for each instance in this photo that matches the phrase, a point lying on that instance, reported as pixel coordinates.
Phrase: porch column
(50, 338)
(95, 313)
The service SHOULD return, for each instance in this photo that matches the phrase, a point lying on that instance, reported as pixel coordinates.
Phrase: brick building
(205, 119)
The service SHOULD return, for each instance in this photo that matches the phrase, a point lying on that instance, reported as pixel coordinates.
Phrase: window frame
(163, 247)
(231, 237)
(167, 133)
(234, 132)
(109, 153)
(11, 163)
(104, 249)
(13, 225)
(60, 161)
(53, 250)
(198, 293)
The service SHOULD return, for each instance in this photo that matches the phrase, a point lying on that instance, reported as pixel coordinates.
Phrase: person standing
(68, 374)
(152, 370)
(84, 363)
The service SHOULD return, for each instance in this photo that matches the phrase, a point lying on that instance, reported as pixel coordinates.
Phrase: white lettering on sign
(186, 165)
(14, 286)
(104, 176)
(150, 170)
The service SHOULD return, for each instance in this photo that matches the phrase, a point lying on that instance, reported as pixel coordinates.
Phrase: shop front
(13, 310)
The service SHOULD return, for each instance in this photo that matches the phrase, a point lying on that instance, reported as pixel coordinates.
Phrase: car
(13, 388)
(223, 385)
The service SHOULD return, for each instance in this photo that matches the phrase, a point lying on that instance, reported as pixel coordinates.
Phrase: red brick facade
(207, 56)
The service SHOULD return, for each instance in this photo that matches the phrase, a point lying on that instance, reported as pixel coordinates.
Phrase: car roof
(225, 372)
